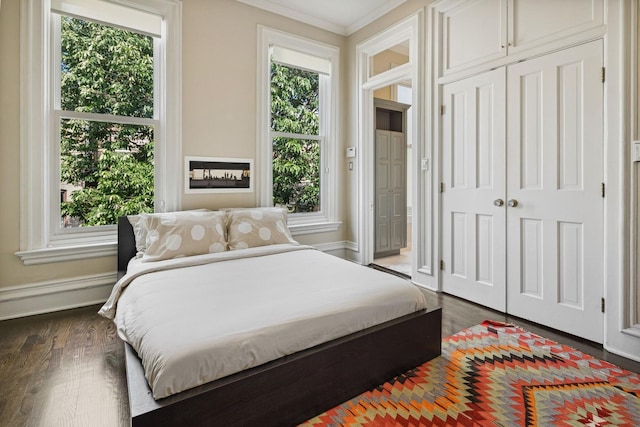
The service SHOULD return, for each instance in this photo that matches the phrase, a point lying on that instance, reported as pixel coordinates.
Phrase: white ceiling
(343, 17)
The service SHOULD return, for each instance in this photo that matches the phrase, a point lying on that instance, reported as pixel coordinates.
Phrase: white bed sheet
(194, 320)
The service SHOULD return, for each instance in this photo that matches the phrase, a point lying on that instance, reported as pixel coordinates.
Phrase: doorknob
(512, 203)
(498, 202)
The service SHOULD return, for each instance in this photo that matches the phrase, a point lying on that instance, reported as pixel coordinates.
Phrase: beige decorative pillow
(139, 232)
(140, 224)
(249, 228)
(184, 234)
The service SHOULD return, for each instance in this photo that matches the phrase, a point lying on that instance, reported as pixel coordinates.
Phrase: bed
(282, 386)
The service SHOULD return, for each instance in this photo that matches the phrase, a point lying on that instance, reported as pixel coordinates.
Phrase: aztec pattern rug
(495, 374)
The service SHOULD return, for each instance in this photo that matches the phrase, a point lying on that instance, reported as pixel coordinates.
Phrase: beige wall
(12, 271)
(219, 116)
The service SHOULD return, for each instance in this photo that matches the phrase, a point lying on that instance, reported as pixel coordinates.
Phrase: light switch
(636, 151)
(425, 164)
(351, 151)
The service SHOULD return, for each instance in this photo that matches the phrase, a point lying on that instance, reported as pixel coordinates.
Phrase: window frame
(326, 219)
(41, 239)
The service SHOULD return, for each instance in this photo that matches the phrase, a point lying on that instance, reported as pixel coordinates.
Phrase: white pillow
(185, 234)
(253, 227)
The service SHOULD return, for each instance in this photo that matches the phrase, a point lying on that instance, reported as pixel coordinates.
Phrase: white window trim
(37, 245)
(306, 223)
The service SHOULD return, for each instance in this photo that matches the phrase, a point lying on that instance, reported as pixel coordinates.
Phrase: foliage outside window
(297, 118)
(106, 141)
(295, 125)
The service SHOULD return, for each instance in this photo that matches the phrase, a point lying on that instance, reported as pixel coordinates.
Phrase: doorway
(392, 172)
(406, 36)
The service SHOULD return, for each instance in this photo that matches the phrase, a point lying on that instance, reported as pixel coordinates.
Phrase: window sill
(67, 253)
(103, 249)
(312, 228)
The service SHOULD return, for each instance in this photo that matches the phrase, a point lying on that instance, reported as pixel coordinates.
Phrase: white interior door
(473, 175)
(555, 169)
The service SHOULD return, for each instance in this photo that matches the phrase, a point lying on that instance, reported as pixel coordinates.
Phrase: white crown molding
(373, 15)
(295, 15)
(323, 23)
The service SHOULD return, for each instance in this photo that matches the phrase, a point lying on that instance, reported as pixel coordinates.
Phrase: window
(102, 80)
(295, 136)
(298, 137)
(103, 120)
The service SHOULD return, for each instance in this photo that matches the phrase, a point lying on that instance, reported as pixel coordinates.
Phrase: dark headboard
(126, 244)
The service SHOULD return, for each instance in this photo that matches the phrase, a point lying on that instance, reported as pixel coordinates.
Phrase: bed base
(295, 388)
(292, 389)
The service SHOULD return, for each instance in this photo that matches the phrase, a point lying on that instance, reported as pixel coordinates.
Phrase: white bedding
(194, 320)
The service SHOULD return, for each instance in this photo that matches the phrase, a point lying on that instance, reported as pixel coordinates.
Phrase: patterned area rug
(498, 375)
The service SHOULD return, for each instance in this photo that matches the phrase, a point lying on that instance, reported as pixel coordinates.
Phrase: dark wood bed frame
(292, 389)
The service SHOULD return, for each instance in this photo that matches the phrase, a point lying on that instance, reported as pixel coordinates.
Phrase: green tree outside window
(296, 160)
(106, 168)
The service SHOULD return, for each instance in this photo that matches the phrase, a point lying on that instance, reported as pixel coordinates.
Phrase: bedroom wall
(219, 90)
(12, 271)
(219, 116)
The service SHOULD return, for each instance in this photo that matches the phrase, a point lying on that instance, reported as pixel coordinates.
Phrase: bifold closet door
(473, 177)
(391, 192)
(554, 174)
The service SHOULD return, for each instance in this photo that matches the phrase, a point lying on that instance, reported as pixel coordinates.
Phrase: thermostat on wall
(351, 151)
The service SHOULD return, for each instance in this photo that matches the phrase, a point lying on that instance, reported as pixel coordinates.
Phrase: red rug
(498, 375)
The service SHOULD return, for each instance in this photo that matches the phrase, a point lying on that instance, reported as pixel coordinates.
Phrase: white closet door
(473, 171)
(555, 169)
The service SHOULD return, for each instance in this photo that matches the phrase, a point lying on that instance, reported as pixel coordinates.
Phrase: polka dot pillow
(182, 234)
(140, 225)
(249, 228)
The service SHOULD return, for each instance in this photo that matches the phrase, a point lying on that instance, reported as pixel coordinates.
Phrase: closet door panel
(533, 23)
(554, 172)
(390, 197)
(383, 191)
(531, 137)
(399, 190)
(473, 32)
(473, 174)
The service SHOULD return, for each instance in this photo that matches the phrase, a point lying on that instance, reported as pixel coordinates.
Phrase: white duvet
(194, 320)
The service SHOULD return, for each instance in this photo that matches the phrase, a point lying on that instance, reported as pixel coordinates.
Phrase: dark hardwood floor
(67, 368)
(62, 369)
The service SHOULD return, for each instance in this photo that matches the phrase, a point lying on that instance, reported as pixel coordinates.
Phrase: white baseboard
(55, 295)
(353, 252)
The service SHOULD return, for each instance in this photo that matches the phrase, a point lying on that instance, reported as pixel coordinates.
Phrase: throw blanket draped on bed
(194, 320)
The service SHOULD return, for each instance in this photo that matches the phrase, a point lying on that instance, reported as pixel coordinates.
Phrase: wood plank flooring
(67, 368)
(62, 369)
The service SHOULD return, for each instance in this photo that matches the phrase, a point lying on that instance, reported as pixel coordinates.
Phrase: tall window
(100, 104)
(298, 148)
(295, 132)
(104, 121)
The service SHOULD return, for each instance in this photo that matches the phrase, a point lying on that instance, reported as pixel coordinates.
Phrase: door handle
(512, 203)
(498, 202)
